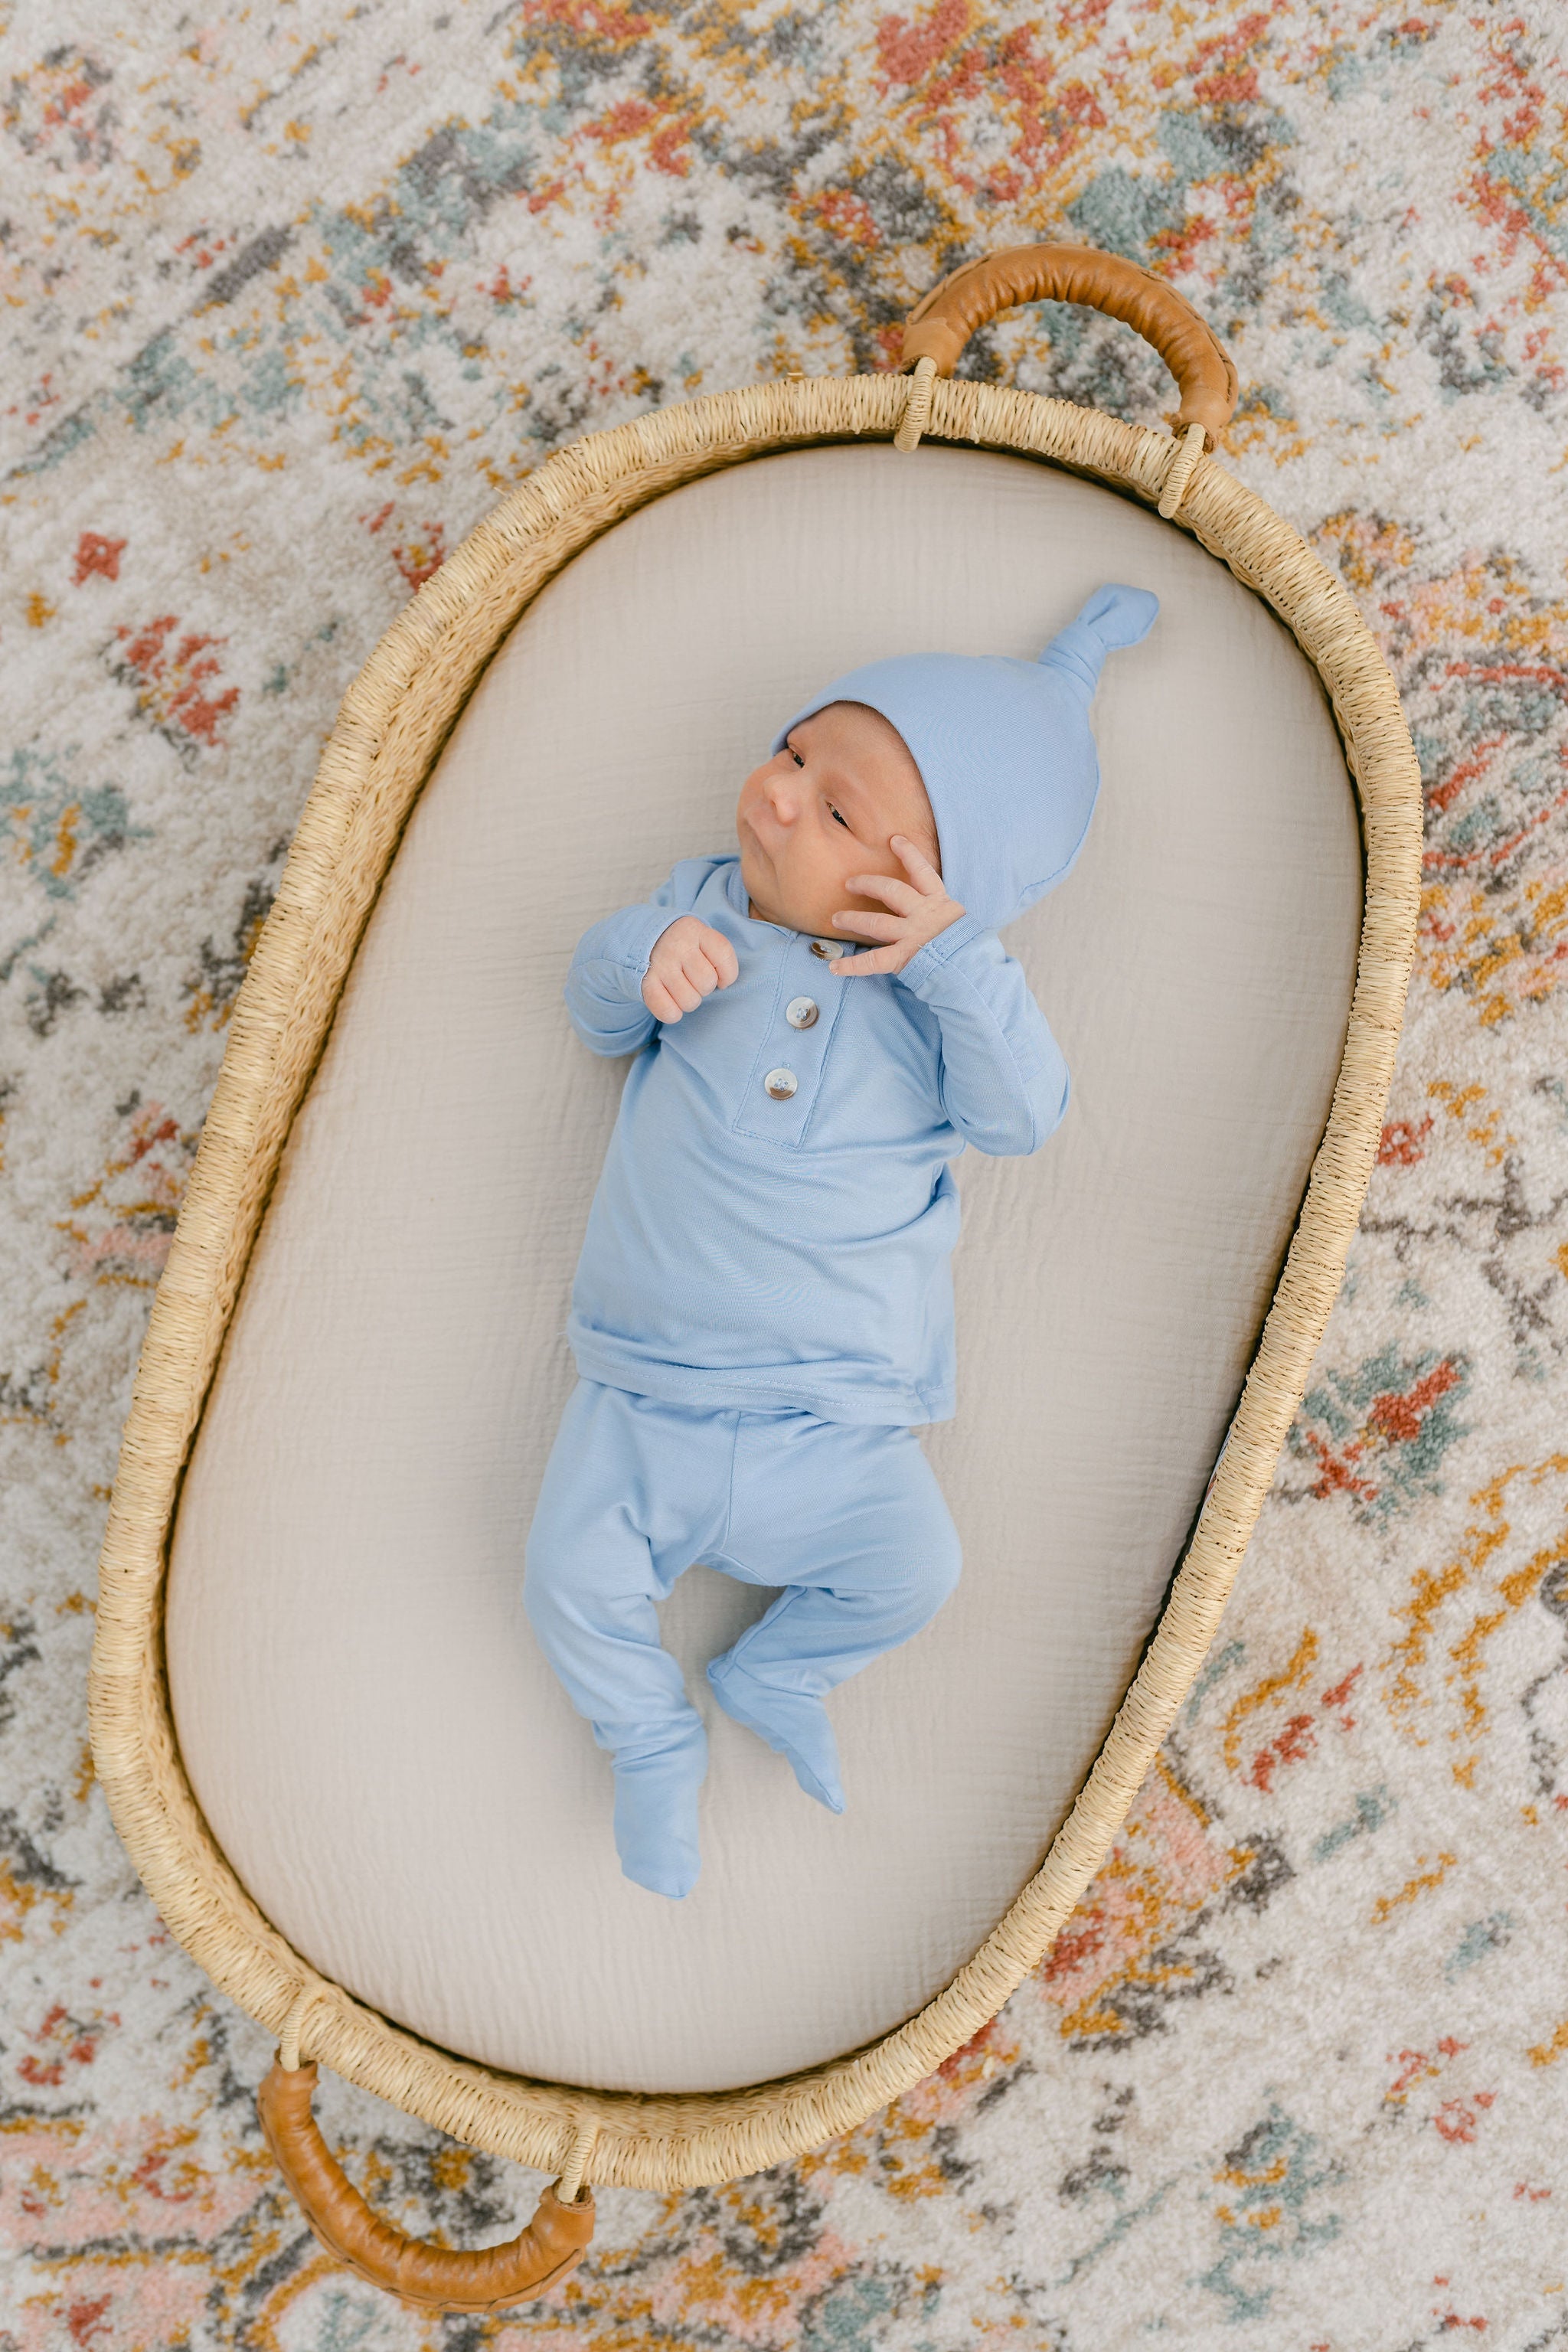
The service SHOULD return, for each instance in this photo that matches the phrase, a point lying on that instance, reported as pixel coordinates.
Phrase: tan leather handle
(939, 327)
(550, 2248)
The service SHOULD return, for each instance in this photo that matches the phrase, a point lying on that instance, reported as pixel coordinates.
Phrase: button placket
(785, 1076)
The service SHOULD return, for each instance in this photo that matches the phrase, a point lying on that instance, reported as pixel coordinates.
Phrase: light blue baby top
(776, 1214)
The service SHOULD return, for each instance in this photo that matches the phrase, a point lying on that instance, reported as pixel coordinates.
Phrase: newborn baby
(762, 1310)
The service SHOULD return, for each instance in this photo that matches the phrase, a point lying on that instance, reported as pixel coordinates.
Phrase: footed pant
(848, 1518)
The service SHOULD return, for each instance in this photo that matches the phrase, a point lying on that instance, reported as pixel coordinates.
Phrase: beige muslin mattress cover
(381, 1751)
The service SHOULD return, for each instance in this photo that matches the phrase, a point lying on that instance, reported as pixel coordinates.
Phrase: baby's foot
(656, 1814)
(794, 1726)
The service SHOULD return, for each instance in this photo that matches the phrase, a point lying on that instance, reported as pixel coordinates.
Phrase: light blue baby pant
(848, 1518)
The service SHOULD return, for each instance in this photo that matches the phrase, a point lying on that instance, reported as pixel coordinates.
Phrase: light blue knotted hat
(1005, 749)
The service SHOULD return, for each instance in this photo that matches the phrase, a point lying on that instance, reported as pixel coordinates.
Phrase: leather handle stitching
(944, 318)
(436, 2277)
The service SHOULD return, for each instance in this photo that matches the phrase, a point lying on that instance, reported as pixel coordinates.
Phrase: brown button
(801, 1012)
(826, 947)
(781, 1084)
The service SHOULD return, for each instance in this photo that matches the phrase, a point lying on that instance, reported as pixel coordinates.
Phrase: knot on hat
(1113, 617)
(1005, 749)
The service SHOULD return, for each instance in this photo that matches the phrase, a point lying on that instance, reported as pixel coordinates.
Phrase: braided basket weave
(393, 724)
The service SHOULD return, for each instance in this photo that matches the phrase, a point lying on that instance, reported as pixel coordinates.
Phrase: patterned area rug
(294, 293)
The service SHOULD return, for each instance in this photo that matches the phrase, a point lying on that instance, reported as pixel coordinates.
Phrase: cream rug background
(292, 295)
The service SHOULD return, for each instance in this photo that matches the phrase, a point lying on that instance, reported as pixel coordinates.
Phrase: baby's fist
(690, 960)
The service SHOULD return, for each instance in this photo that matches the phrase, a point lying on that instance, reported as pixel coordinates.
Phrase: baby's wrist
(954, 914)
(935, 951)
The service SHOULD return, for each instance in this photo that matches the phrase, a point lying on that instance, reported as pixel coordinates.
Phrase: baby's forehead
(855, 719)
(869, 745)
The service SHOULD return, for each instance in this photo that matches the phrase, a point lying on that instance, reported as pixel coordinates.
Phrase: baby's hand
(690, 960)
(920, 907)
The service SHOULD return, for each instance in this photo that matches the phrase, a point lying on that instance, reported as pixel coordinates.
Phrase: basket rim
(391, 727)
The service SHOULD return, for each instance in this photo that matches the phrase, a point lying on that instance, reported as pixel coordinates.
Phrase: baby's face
(824, 807)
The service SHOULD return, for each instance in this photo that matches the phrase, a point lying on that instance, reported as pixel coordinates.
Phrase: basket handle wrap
(437, 2276)
(942, 323)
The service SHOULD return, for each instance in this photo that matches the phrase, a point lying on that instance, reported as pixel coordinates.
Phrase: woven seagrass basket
(393, 722)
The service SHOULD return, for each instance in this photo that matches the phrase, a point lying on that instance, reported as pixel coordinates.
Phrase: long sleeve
(604, 986)
(1003, 1082)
